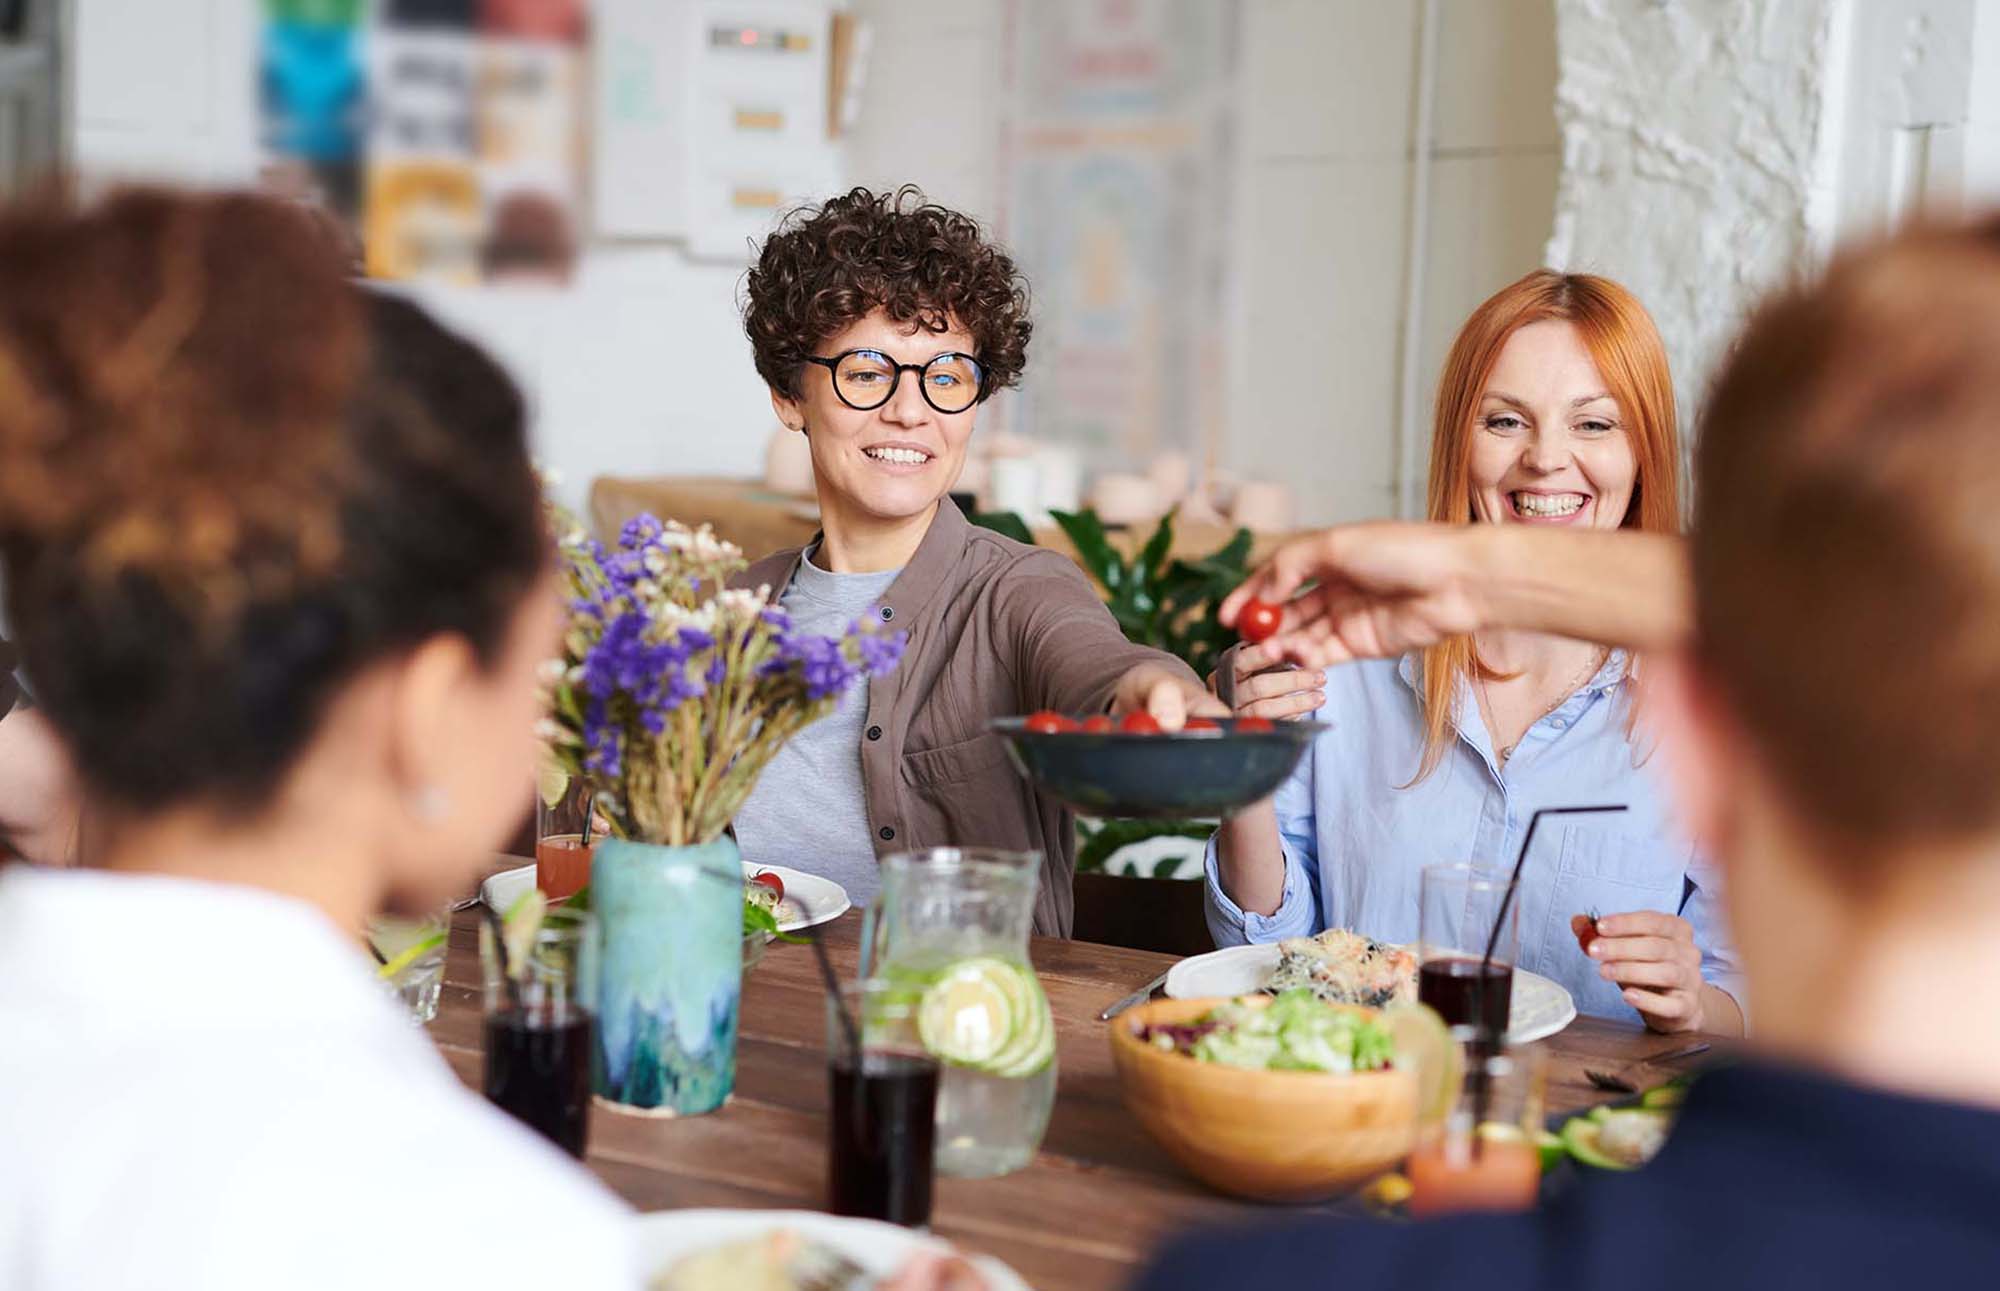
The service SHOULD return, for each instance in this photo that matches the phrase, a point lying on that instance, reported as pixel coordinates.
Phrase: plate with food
(1131, 768)
(798, 1250)
(797, 899)
(1345, 967)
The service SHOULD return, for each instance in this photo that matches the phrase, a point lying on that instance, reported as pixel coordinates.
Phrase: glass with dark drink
(1458, 908)
(882, 1126)
(540, 1027)
(1466, 992)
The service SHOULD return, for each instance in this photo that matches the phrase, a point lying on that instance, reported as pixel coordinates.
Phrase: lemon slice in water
(967, 1017)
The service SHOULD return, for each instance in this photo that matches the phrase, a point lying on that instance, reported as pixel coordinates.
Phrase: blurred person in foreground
(274, 558)
(1555, 410)
(1830, 702)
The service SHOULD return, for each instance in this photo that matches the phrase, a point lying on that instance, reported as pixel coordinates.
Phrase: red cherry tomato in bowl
(1048, 723)
(1257, 620)
(1200, 724)
(1254, 726)
(1097, 725)
(770, 881)
(1140, 722)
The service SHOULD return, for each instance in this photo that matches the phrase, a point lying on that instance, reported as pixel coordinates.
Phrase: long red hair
(1626, 347)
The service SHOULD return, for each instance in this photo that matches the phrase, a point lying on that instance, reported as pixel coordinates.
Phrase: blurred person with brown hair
(881, 323)
(1828, 687)
(1555, 411)
(274, 558)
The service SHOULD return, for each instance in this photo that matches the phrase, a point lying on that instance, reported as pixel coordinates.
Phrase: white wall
(1325, 115)
(1330, 96)
(642, 368)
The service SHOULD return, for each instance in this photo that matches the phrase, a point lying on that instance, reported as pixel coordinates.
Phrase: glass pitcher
(950, 932)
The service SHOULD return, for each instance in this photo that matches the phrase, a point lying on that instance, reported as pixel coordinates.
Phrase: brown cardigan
(996, 628)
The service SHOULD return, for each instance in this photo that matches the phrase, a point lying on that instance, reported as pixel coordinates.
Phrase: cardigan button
(888, 613)
(888, 833)
(874, 732)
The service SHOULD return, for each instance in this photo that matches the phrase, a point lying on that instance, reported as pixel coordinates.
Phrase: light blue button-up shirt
(1356, 840)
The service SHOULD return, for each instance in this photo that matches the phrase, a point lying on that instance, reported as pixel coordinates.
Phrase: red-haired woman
(1555, 409)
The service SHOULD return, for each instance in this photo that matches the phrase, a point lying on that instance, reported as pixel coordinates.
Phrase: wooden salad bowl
(1291, 1136)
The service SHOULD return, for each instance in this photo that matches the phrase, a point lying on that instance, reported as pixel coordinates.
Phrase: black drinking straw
(847, 1024)
(499, 931)
(1488, 1038)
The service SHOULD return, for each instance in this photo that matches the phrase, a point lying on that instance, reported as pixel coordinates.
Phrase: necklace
(1569, 688)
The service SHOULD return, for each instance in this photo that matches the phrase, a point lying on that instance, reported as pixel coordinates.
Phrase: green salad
(1297, 1031)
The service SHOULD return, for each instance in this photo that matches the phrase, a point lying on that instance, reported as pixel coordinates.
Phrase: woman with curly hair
(845, 301)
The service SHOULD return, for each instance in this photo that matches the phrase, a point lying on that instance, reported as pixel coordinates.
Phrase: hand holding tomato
(1168, 697)
(1653, 956)
(1265, 688)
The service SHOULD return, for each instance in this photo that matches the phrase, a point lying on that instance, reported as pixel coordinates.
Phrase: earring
(430, 804)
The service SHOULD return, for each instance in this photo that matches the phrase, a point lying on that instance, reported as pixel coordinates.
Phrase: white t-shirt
(201, 1085)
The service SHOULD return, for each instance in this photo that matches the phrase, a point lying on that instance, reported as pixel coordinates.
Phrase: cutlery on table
(1136, 997)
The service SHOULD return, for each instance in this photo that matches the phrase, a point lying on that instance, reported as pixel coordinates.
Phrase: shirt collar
(1611, 674)
(931, 568)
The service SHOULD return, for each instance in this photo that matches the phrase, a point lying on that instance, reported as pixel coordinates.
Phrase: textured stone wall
(1698, 142)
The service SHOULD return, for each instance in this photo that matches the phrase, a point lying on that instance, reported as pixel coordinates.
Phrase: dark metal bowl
(1188, 773)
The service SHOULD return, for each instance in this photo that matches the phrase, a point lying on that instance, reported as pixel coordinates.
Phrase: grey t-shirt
(808, 810)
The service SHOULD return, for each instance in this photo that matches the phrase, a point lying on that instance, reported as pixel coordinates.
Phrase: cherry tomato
(1097, 725)
(1257, 620)
(1048, 723)
(1200, 724)
(1585, 928)
(1254, 726)
(770, 881)
(1140, 722)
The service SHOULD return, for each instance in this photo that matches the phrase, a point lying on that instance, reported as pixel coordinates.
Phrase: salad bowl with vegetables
(1281, 1099)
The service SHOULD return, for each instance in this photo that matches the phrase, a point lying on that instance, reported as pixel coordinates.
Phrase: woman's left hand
(1168, 696)
(1653, 956)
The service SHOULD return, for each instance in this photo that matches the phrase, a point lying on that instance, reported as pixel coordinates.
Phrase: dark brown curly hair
(828, 266)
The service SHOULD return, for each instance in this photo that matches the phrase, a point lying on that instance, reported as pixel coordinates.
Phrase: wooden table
(1099, 1197)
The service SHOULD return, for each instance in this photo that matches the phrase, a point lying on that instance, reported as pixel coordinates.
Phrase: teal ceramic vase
(671, 974)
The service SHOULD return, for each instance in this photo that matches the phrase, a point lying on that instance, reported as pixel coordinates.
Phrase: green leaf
(1006, 523)
(757, 919)
(1154, 555)
(1086, 531)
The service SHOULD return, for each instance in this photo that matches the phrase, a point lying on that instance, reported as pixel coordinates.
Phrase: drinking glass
(1458, 907)
(1483, 1155)
(566, 835)
(883, 1087)
(410, 956)
(541, 1025)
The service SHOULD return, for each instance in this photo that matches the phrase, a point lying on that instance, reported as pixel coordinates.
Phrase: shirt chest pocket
(1603, 872)
(965, 761)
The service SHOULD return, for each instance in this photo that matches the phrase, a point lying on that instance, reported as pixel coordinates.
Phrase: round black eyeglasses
(867, 379)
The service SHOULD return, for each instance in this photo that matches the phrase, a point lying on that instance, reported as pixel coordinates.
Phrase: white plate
(819, 899)
(881, 1249)
(1540, 1009)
